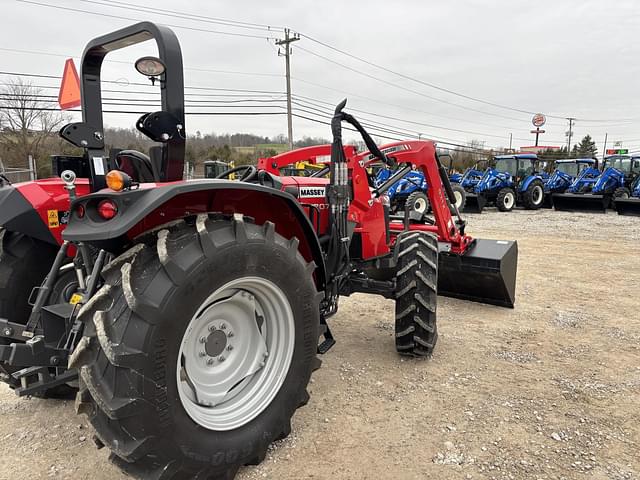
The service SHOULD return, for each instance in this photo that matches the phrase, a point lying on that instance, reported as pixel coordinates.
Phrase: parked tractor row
(521, 180)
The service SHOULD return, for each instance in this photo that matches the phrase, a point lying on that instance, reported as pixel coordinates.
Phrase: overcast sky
(560, 57)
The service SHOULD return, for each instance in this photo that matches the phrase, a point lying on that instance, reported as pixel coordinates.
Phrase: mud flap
(475, 203)
(628, 206)
(486, 273)
(574, 202)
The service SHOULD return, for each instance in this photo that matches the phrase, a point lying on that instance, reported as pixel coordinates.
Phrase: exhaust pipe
(628, 206)
(475, 203)
(485, 273)
(575, 202)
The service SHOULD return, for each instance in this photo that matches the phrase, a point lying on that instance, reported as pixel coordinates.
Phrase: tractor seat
(137, 165)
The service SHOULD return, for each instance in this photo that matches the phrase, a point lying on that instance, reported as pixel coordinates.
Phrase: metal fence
(18, 174)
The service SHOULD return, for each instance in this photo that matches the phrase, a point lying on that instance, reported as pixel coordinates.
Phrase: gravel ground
(548, 390)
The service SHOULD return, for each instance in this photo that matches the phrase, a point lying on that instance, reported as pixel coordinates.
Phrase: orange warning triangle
(69, 96)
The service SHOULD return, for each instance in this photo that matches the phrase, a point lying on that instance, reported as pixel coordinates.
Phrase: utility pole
(287, 53)
(570, 134)
(510, 141)
(604, 149)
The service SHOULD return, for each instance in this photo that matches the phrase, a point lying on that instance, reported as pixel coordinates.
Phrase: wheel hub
(216, 343)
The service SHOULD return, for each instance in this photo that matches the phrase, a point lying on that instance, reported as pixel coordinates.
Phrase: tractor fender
(152, 206)
(524, 185)
(17, 214)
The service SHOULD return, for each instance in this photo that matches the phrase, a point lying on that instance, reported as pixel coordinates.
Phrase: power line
(119, 17)
(400, 87)
(187, 16)
(117, 82)
(427, 84)
(194, 69)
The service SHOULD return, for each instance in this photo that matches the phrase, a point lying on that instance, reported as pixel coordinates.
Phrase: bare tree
(26, 122)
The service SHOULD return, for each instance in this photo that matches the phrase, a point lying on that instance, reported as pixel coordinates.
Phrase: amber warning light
(69, 96)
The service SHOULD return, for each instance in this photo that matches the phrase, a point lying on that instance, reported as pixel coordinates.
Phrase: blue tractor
(514, 179)
(411, 191)
(631, 205)
(568, 171)
(597, 194)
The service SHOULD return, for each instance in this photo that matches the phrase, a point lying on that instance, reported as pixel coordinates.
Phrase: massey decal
(308, 192)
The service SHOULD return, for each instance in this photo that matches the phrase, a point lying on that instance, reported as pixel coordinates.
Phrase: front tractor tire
(533, 196)
(506, 200)
(199, 348)
(418, 202)
(460, 194)
(416, 293)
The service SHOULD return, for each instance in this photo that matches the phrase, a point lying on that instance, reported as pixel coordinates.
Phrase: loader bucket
(475, 203)
(486, 273)
(574, 202)
(628, 206)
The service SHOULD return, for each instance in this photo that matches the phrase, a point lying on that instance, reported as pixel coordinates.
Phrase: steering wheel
(250, 173)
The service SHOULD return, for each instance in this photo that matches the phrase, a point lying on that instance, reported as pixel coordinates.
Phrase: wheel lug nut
(223, 326)
(221, 358)
(230, 334)
(212, 328)
(229, 348)
(203, 339)
(261, 364)
(266, 354)
(202, 354)
(210, 361)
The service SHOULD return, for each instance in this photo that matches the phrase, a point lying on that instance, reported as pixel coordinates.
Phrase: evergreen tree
(587, 148)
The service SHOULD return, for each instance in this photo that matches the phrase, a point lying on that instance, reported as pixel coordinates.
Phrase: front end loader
(201, 305)
(630, 205)
(596, 195)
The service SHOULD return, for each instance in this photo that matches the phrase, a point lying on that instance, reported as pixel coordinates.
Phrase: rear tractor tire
(533, 196)
(24, 263)
(418, 202)
(416, 331)
(191, 364)
(506, 200)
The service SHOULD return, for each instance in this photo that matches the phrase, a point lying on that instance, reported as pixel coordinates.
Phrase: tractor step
(486, 273)
(576, 202)
(475, 203)
(628, 206)
(37, 380)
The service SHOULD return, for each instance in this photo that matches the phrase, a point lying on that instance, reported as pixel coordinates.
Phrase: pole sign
(617, 151)
(538, 120)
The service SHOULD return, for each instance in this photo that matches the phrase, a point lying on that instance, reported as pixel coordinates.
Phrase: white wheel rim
(420, 205)
(227, 379)
(508, 200)
(458, 197)
(536, 195)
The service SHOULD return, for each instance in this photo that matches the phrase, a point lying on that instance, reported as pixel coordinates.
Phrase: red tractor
(198, 308)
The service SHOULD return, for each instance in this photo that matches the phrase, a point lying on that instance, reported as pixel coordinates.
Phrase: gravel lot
(548, 390)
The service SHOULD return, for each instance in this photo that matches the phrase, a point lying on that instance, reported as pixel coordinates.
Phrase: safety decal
(54, 221)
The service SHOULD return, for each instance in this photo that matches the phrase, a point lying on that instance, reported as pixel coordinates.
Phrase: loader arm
(306, 154)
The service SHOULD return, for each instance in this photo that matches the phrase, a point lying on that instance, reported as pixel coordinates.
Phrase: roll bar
(89, 134)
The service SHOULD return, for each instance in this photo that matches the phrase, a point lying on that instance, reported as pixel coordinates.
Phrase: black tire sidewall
(179, 430)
